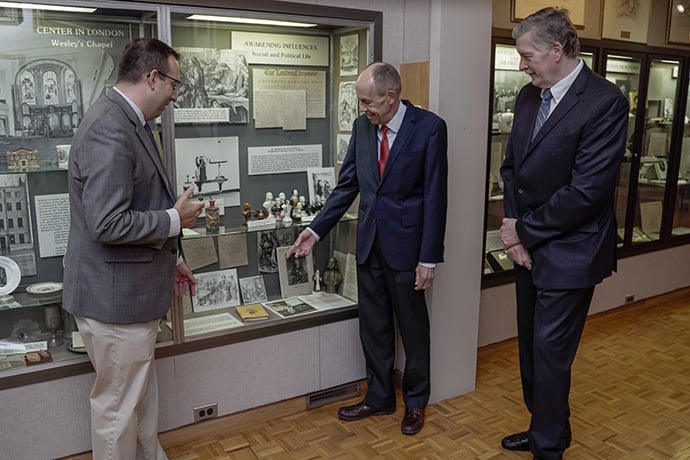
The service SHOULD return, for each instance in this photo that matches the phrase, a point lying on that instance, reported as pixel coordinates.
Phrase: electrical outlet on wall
(205, 412)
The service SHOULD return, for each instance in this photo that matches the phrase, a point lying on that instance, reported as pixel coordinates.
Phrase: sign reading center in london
(302, 50)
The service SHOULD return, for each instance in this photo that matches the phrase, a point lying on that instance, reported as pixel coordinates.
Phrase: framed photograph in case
(296, 274)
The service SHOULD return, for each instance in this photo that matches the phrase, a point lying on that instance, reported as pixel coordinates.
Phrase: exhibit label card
(280, 159)
(282, 49)
(312, 81)
(52, 222)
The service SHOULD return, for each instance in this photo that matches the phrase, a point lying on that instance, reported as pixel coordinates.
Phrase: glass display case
(652, 202)
(259, 129)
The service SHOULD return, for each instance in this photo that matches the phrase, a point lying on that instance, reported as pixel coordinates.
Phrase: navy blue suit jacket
(561, 185)
(406, 207)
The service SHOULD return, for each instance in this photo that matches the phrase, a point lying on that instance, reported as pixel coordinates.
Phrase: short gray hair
(549, 26)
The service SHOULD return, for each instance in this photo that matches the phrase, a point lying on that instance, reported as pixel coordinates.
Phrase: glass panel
(54, 66)
(508, 80)
(681, 215)
(248, 107)
(624, 72)
(656, 142)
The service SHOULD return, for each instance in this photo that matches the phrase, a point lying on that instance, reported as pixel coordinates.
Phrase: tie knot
(384, 130)
(546, 95)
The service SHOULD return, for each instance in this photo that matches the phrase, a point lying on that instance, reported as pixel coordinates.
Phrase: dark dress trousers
(561, 188)
(402, 219)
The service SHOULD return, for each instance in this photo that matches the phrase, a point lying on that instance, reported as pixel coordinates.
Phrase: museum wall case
(259, 129)
(651, 194)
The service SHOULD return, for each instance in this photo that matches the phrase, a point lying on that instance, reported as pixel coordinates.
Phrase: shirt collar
(396, 121)
(559, 89)
(137, 110)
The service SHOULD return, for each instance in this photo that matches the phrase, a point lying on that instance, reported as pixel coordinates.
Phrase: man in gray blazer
(122, 259)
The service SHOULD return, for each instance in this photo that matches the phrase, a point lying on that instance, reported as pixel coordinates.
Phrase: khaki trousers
(124, 397)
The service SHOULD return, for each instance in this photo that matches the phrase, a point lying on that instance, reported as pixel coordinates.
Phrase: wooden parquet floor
(630, 400)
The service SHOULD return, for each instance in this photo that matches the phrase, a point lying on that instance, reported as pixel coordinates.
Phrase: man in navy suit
(397, 163)
(560, 171)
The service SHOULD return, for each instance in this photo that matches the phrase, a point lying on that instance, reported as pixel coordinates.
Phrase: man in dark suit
(122, 261)
(397, 162)
(560, 171)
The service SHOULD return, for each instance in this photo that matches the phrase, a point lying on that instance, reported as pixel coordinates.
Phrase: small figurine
(317, 206)
(247, 212)
(212, 217)
(268, 202)
(317, 281)
(332, 276)
(260, 214)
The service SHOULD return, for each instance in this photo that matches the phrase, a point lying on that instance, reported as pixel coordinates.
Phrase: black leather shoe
(413, 421)
(516, 441)
(360, 410)
(520, 441)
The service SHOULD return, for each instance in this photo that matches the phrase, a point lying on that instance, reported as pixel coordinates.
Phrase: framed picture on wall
(678, 26)
(523, 8)
(626, 20)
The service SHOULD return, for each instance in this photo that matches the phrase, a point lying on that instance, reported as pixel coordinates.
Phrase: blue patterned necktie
(544, 109)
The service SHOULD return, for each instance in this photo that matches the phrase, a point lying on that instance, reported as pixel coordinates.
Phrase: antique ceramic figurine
(317, 281)
(268, 202)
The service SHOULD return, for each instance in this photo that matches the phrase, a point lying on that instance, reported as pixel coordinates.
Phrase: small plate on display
(12, 275)
(47, 288)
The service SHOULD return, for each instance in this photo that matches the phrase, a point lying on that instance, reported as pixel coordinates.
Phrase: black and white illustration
(214, 88)
(216, 290)
(347, 105)
(290, 307)
(253, 289)
(321, 182)
(342, 142)
(296, 273)
(211, 165)
(268, 260)
(349, 55)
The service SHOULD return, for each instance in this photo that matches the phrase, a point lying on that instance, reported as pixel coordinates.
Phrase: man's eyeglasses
(175, 81)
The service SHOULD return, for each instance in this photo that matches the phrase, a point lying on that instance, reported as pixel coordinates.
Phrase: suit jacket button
(520, 191)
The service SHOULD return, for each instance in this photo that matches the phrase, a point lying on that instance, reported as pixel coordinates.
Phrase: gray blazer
(120, 262)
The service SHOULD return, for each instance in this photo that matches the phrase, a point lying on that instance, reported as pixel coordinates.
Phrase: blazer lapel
(402, 138)
(569, 101)
(145, 140)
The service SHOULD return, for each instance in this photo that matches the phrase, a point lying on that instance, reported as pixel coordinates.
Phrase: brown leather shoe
(413, 421)
(360, 410)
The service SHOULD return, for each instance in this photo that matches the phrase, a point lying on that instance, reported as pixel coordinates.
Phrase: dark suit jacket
(561, 185)
(407, 206)
(120, 263)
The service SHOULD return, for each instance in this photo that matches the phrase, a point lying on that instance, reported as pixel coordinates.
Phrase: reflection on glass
(681, 214)
(656, 142)
(624, 72)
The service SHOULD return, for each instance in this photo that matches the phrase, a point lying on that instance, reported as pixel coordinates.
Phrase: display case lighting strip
(239, 20)
(36, 6)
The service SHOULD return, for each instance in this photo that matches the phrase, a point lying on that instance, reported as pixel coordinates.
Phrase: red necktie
(383, 156)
